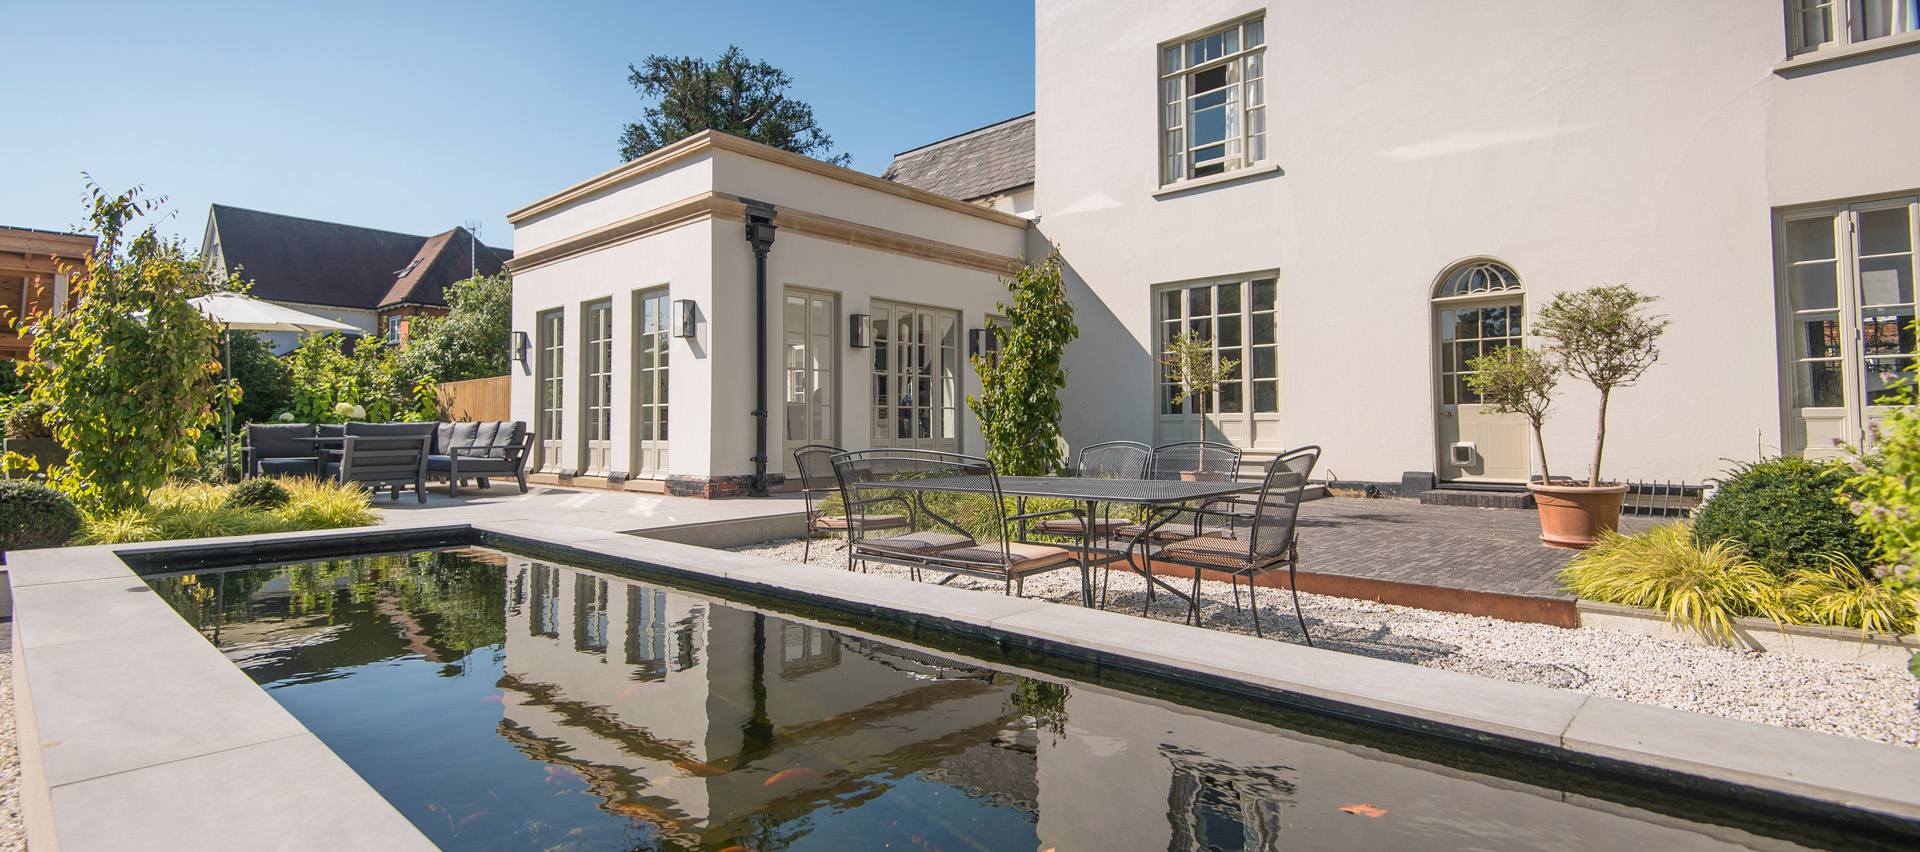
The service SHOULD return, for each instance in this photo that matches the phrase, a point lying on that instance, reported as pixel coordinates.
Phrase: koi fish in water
(791, 774)
(699, 770)
(653, 815)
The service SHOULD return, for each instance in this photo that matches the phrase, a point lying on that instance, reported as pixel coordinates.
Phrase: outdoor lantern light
(859, 331)
(685, 318)
(981, 341)
(518, 346)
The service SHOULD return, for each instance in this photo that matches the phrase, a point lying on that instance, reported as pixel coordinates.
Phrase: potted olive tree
(1605, 336)
(1190, 359)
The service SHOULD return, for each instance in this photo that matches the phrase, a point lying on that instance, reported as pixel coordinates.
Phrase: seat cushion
(507, 434)
(864, 522)
(452, 435)
(288, 467)
(1209, 549)
(470, 465)
(1165, 532)
(388, 430)
(918, 542)
(1076, 526)
(330, 430)
(1018, 556)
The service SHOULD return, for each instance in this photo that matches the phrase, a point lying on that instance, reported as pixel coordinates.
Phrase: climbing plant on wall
(1019, 400)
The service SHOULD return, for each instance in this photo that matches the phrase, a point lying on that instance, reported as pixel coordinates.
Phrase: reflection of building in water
(718, 723)
(1230, 785)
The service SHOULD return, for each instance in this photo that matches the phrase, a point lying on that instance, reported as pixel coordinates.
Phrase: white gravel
(1847, 699)
(13, 829)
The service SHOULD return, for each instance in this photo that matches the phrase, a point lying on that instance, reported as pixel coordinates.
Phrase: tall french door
(808, 324)
(916, 377)
(550, 415)
(1238, 319)
(1847, 307)
(596, 394)
(650, 383)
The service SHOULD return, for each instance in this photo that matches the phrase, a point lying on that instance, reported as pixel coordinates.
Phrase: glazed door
(916, 377)
(1500, 445)
(808, 323)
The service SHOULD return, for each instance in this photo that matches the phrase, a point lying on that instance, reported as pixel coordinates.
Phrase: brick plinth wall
(716, 487)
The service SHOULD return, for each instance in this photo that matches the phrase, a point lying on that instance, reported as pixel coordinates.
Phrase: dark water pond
(504, 703)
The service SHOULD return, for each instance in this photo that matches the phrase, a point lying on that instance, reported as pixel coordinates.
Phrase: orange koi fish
(789, 774)
(699, 770)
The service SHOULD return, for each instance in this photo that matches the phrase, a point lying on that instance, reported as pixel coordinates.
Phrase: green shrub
(33, 515)
(29, 420)
(180, 510)
(1699, 588)
(257, 493)
(1787, 513)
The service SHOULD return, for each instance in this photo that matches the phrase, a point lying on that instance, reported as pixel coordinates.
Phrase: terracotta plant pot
(1574, 516)
(1203, 476)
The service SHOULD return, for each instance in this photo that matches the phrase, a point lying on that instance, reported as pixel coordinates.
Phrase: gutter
(760, 231)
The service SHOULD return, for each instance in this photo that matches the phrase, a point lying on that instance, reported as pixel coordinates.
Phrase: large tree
(733, 95)
(470, 342)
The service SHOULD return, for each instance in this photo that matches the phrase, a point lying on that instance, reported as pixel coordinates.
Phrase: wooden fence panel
(475, 399)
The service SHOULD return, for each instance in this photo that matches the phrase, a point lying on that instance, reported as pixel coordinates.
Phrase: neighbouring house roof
(290, 259)
(972, 165)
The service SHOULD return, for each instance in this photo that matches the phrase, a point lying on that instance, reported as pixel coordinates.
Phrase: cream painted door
(650, 384)
(916, 377)
(1502, 447)
(1240, 319)
(808, 323)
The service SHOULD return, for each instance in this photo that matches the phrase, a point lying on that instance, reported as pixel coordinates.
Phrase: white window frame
(1847, 22)
(1245, 142)
(1258, 372)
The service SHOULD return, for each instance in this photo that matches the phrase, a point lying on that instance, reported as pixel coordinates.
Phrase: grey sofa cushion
(470, 466)
(276, 441)
(331, 430)
(287, 467)
(388, 430)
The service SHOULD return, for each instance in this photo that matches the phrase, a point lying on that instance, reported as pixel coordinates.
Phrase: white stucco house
(1350, 216)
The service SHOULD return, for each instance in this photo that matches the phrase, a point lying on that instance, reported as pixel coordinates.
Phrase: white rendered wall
(1640, 142)
(676, 181)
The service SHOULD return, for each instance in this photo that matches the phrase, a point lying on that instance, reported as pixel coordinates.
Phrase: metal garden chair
(933, 489)
(1264, 537)
(818, 482)
(1111, 460)
(1210, 460)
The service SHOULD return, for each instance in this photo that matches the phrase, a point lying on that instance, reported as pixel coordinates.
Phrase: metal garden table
(1091, 491)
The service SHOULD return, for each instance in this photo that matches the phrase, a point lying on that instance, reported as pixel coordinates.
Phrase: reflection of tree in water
(1042, 701)
(1216, 806)
(437, 600)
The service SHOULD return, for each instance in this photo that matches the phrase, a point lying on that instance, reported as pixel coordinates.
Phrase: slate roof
(290, 259)
(972, 165)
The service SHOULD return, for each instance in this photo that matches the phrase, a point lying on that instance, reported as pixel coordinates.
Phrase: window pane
(1817, 384)
(1200, 302)
(1885, 231)
(1466, 324)
(1171, 60)
(1813, 287)
(1209, 127)
(1263, 328)
(1230, 402)
(1229, 298)
(1201, 328)
(1266, 364)
(1886, 280)
(1210, 81)
(1230, 42)
(1493, 321)
(1263, 292)
(1810, 239)
(1463, 391)
(1886, 331)
(1229, 329)
(1256, 32)
(1266, 396)
(1230, 363)
(1819, 337)
(1446, 325)
(1885, 377)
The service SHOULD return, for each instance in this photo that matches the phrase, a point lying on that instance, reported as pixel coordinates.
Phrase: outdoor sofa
(384, 455)
(480, 451)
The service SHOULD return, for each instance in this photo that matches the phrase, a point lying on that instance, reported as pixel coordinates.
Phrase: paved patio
(609, 511)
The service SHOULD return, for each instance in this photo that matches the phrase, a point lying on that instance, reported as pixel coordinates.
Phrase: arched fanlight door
(1479, 308)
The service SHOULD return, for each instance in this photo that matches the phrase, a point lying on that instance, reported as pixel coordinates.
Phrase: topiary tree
(1787, 513)
(1019, 400)
(132, 371)
(1601, 334)
(33, 515)
(1516, 380)
(30, 419)
(1190, 357)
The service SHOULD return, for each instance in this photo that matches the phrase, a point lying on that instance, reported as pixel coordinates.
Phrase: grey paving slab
(62, 565)
(1417, 695)
(918, 599)
(289, 794)
(619, 511)
(118, 704)
(555, 532)
(1853, 772)
(58, 613)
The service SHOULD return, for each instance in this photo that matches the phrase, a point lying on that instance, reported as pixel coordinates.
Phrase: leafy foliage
(470, 342)
(733, 95)
(260, 492)
(33, 515)
(30, 419)
(266, 383)
(130, 371)
(1516, 380)
(1699, 588)
(197, 510)
(331, 380)
(1837, 593)
(1019, 400)
(1190, 358)
(1602, 335)
(1786, 513)
(1888, 508)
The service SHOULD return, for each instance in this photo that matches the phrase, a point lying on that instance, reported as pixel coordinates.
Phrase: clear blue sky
(416, 116)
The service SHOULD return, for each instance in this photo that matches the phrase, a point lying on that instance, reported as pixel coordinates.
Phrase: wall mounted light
(982, 341)
(517, 347)
(859, 330)
(685, 318)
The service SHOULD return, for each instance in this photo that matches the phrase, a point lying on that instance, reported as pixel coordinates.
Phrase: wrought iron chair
(1195, 460)
(935, 540)
(818, 482)
(1111, 460)
(1264, 537)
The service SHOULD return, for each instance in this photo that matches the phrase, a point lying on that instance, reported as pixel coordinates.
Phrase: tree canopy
(470, 342)
(733, 94)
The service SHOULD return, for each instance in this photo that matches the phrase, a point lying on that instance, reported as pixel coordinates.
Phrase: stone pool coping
(136, 732)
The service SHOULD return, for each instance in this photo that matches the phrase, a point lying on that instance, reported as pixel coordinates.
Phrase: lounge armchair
(385, 455)
(273, 449)
(480, 451)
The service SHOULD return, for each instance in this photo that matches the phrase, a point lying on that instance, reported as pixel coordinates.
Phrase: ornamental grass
(180, 510)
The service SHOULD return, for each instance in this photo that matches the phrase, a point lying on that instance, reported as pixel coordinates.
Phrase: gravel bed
(1847, 699)
(13, 829)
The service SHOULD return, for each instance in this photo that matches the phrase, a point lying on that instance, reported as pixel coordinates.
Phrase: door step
(1477, 499)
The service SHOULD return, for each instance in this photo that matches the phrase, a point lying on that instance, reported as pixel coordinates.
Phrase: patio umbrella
(244, 313)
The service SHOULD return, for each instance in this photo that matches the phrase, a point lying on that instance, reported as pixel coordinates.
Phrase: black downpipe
(760, 230)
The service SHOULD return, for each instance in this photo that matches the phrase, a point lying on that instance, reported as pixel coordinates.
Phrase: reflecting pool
(505, 703)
